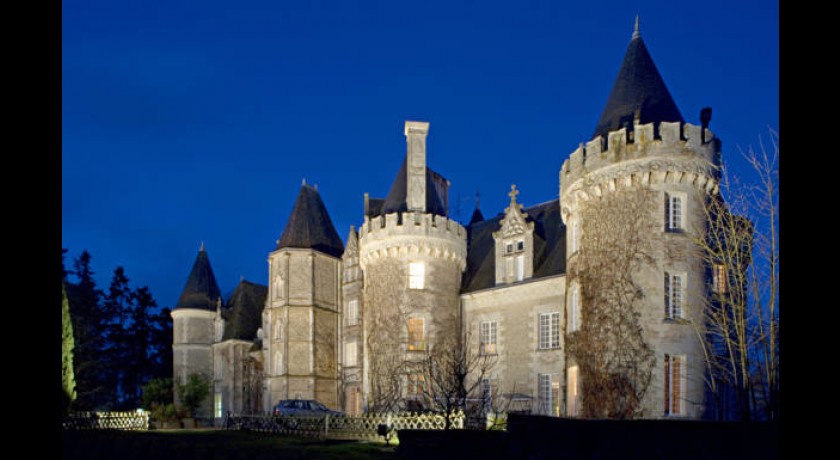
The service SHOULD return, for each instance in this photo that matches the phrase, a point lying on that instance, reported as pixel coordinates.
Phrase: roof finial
(477, 199)
(303, 182)
(201, 249)
(512, 194)
(636, 33)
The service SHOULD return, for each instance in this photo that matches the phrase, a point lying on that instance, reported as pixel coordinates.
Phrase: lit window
(674, 385)
(350, 354)
(674, 286)
(549, 330)
(416, 275)
(520, 245)
(217, 405)
(674, 212)
(352, 312)
(572, 392)
(719, 279)
(574, 309)
(488, 338)
(520, 268)
(416, 384)
(416, 334)
(549, 394)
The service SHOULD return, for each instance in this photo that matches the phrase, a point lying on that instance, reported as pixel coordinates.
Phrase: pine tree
(138, 366)
(87, 320)
(117, 307)
(161, 344)
(68, 382)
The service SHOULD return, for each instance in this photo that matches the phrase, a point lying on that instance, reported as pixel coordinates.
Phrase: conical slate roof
(201, 290)
(246, 306)
(310, 226)
(436, 193)
(638, 87)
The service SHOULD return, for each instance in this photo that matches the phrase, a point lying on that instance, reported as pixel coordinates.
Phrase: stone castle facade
(350, 323)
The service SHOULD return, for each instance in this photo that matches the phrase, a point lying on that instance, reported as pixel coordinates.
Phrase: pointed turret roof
(637, 88)
(477, 216)
(310, 226)
(436, 189)
(201, 290)
(246, 306)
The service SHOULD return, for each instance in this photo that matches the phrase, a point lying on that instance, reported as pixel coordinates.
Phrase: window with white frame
(416, 384)
(675, 384)
(416, 275)
(719, 279)
(549, 394)
(352, 312)
(416, 334)
(486, 387)
(350, 354)
(549, 330)
(674, 288)
(487, 338)
(573, 322)
(674, 212)
(520, 268)
(572, 391)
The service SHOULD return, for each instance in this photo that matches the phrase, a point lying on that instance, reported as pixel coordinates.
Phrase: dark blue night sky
(189, 121)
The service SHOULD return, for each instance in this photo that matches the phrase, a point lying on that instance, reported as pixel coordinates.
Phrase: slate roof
(436, 193)
(549, 246)
(310, 226)
(244, 313)
(201, 289)
(638, 86)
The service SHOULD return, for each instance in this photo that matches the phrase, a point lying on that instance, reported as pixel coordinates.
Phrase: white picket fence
(129, 420)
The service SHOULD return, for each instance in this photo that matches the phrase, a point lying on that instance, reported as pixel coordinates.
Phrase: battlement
(665, 140)
(400, 234)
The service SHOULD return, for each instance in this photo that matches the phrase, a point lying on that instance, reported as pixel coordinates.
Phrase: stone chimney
(415, 137)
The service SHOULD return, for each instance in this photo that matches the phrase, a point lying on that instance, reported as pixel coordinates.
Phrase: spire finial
(303, 182)
(512, 194)
(201, 249)
(477, 199)
(636, 33)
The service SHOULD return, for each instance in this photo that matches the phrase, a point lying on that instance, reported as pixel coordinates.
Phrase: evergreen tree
(87, 320)
(68, 382)
(118, 305)
(138, 366)
(161, 344)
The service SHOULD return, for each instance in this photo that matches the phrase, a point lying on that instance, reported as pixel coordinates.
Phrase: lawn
(211, 445)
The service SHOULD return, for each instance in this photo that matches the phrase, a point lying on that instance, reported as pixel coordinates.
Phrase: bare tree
(453, 373)
(741, 250)
(616, 244)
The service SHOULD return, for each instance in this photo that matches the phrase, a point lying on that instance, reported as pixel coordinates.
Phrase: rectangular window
(674, 212)
(488, 338)
(572, 392)
(549, 394)
(674, 384)
(509, 248)
(416, 384)
(719, 279)
(217, 405)
(674, 287)
(549, 330)
(520, 245)
(350, 354)
(574, 309)
(520, 268)
(416, 334)
(487, 394)
(416, 275)
(352, 312)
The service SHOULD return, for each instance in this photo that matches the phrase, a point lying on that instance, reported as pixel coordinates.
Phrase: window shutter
(675, 382)
(667, 383)
(667, 286)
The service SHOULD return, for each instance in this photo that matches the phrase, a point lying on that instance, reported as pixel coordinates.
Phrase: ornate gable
(514, 243)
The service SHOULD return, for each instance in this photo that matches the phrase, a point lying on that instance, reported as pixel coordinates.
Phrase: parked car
(304, 408)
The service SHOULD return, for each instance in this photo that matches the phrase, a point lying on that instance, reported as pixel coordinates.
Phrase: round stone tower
(646, 177)
(412, 257)
(194, 322)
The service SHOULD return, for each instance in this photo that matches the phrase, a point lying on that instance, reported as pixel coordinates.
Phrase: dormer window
(509, 248)
(520, 245)
(514, 244)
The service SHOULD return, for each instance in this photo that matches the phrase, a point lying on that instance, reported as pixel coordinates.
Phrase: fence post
(326, 425)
